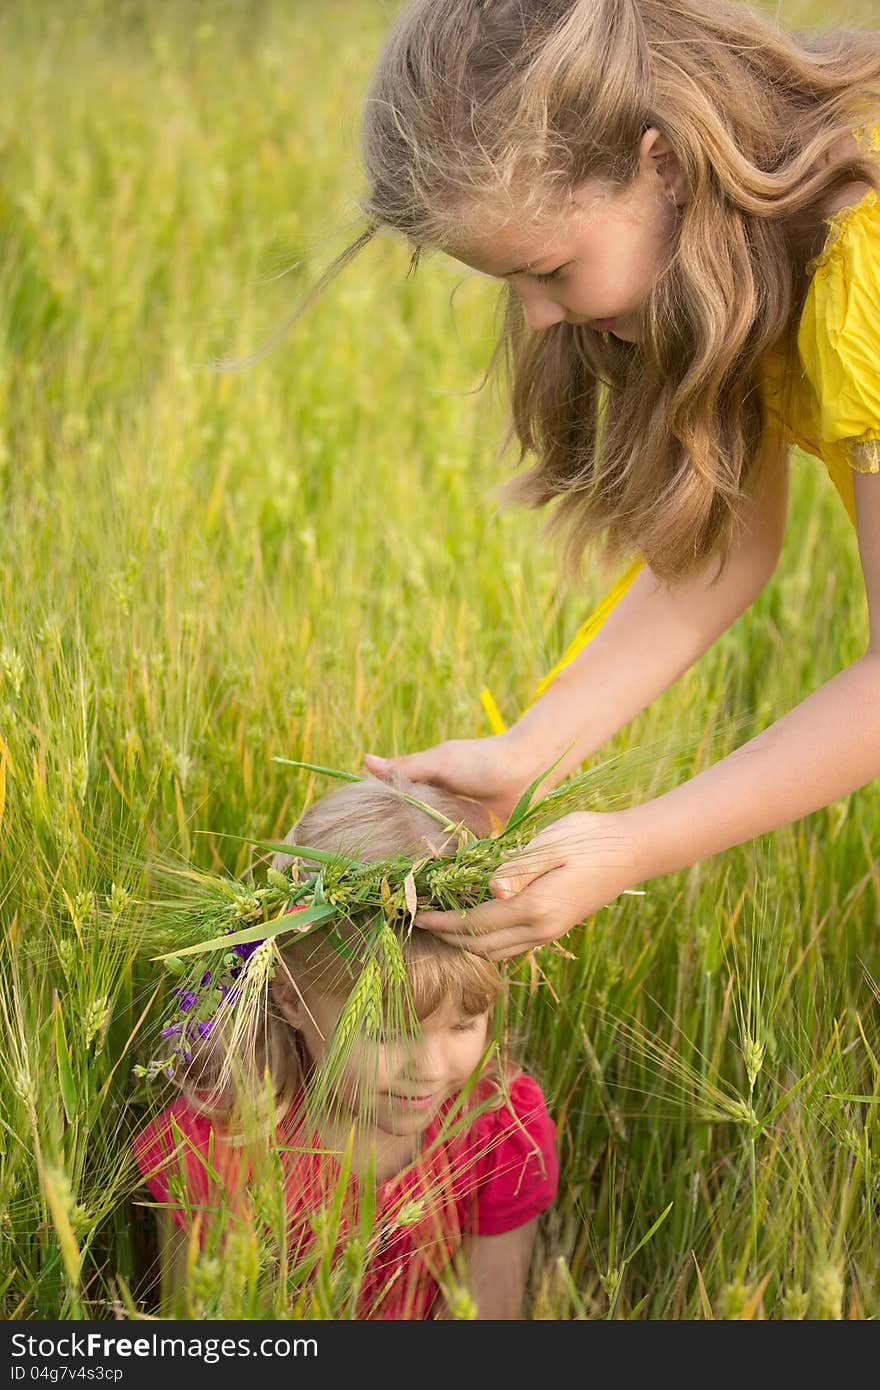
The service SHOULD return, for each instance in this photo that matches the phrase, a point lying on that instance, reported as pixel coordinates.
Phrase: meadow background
(202, 570)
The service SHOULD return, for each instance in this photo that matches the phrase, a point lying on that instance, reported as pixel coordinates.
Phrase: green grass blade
(780, 1104)
(519, 811)
(324, 771)
(648, 1234)
(66, 1083)
(320, 856)
(261, 932)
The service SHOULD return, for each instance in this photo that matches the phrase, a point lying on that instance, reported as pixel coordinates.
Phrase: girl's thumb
(511, 878)
(380, 767)
(418, 767)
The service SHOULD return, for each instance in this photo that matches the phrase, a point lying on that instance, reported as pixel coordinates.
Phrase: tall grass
(204, 570)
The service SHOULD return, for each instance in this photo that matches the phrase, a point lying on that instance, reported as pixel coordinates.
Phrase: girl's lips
(413, 1102)
(603, 324)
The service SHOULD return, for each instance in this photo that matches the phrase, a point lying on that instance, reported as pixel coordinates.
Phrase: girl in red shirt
(399, 1134)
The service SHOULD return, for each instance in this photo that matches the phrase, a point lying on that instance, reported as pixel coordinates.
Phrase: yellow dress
(831, 408)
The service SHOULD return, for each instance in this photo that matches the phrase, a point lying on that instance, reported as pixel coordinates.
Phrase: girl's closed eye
(467, 1025)
(547, 275)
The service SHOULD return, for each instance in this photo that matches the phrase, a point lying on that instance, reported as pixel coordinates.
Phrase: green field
(205, 569)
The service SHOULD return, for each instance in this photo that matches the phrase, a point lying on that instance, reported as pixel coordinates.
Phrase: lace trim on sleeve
(865, 457)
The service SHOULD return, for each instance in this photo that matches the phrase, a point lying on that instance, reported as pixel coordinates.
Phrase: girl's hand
(487, 771)
(566, 873)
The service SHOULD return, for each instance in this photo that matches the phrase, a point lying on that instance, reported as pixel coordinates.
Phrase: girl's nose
(424, 1062)
(541, 311)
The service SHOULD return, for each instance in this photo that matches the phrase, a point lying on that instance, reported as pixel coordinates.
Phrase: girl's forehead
(509, 248)
(326, 1005)
(447, 1015)
(502, 245)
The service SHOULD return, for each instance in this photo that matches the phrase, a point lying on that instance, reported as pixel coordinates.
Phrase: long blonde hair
(481, 105)
(367, 820)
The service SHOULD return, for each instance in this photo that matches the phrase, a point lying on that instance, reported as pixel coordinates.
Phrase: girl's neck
(389, 1153)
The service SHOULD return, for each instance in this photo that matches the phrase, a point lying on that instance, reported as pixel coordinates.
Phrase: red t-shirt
(496, 1175)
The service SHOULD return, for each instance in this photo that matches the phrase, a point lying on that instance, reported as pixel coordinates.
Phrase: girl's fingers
(379, 767)
(418, 767)
(500, 945)
(508, 927)
(500, 915)
(536, 859)
(484, 936)
(489, 917)
(383, 767)
(509, 879)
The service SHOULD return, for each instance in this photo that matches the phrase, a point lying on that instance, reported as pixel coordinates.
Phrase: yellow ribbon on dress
(588, 628)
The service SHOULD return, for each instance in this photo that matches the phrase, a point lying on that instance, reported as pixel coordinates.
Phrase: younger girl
(386, 1102)
(682, 200)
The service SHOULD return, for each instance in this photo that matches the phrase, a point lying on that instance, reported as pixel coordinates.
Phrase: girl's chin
(626, 332)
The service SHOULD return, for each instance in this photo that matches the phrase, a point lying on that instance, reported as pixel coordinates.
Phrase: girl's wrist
(530, 755)
(522, 760)
(653, 838)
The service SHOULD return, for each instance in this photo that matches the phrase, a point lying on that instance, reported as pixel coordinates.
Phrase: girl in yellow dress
(684, 201)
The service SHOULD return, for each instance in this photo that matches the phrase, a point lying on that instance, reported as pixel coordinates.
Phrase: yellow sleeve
(839, 335)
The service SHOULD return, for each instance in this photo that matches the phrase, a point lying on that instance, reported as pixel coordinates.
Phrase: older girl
(682, 200)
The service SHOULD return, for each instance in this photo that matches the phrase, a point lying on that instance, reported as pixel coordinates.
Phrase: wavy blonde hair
(367, 820)
(484, 106)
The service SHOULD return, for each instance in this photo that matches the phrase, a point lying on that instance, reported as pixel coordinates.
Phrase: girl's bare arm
(650, 638)
(496, 1270)
(823, 749)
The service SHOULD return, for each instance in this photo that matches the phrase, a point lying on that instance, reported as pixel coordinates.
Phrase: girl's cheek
(380, 1070)
(370, 1066)
(474, 1045)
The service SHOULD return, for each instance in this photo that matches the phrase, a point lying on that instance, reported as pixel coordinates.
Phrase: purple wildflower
(246, 949)
(227, 984)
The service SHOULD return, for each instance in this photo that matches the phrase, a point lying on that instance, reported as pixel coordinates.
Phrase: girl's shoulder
(179, 1122)
(517, 1112)
(175, 1151)
(848, 206)
(838, 341)
(515, 1144)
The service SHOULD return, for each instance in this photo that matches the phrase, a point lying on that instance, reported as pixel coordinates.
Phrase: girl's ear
(657, 156)
(289, 1002)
